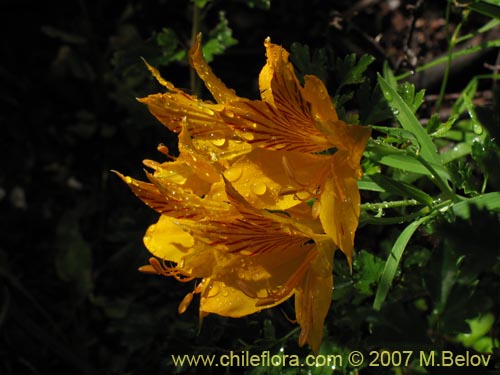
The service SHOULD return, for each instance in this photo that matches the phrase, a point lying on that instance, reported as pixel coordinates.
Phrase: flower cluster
(260, 196)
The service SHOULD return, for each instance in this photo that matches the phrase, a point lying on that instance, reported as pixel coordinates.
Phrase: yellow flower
(302, 119)
(260, 196)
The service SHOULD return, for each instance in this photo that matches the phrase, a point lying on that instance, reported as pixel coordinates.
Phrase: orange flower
(233, 204)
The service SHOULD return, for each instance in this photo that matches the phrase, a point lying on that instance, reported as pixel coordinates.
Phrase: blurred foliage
(427, 271)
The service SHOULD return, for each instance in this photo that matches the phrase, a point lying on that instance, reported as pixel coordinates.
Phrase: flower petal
(167, 240)
(340, 204)
(314, 295)
(283, 119)
(217, 88)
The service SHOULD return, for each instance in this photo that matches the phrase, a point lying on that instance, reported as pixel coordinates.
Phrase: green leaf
(373, 107)
(458, 151)
(219, 39)
(488, 8)
(350, 71)
(403, 160)
(412, 99)
(409, 122)
(489, 201)
(393, 260)
(201, 3)
(402, 189)
(367, 271)
(168, 42)
(307, 64)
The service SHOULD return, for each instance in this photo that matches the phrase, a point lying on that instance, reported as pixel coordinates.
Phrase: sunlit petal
(314, 295)
(167, 240)
(216, 87)
(340, 205)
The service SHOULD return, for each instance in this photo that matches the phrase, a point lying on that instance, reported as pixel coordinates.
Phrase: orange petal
(340, 205)
(284, 128)
(217, 88)
(172, 108)
(167, 240)
(283, 119)
(314, 295)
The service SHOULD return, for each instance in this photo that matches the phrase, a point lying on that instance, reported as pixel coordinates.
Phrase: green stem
(436, 179)
(451, 42)
(389, 204)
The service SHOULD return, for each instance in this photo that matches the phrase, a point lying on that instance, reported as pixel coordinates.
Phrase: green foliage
(219, 39)
(307, 64)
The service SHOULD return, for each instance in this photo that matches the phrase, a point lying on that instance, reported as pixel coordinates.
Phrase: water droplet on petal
(233, 173)
(247, 135)
(213, 290)
(219, 142)
(259, 188)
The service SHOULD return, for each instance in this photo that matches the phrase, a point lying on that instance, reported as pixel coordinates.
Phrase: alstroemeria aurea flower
(247, 259)
(300, 120)
(260, 196)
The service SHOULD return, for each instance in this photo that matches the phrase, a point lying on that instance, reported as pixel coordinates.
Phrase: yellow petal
(167, 240)
(314, 295)
(192, 157)
(316, 93)
(283, 119)
(340, 204)
(229, 301)
(162, 81)
(248, 284)
(148, 193)
(216, 87)
(172, 108)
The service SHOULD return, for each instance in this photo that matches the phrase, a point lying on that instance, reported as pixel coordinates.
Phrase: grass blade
(392, 262)
(409, 122)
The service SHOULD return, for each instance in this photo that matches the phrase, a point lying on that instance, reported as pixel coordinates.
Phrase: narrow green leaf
(366, 183)
(410, 164)
(403, 189)
(409, 122)
(454, 55)
(456, 152)
(489, 201)
(487, 8)
(393, 260)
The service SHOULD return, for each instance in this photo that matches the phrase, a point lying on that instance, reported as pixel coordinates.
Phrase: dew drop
(247, 136)
(388, 96)
(219, 142)
(259, 188)
(395, 111)
(233, 173)
(225, 293)
(478, 129)
(177, 178)
(213, 290)
(208, 111)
